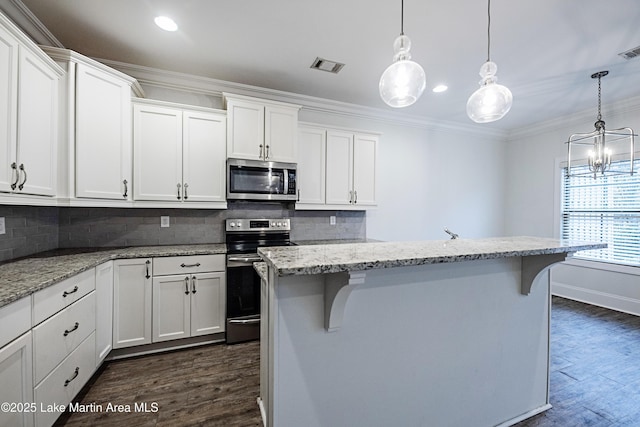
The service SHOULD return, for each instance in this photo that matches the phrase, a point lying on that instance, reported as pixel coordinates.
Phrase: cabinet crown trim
(226, 96)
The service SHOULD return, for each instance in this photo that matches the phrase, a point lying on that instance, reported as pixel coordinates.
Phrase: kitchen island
(432, 333)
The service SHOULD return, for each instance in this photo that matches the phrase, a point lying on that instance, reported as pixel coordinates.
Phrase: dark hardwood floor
(595, 379)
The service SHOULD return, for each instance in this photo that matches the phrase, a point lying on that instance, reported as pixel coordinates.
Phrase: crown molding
(214, 87)
(579, 120)
(29, 23)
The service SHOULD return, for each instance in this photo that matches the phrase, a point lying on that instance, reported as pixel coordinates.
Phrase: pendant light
(600, 146)
(492, 101)
(402, 82)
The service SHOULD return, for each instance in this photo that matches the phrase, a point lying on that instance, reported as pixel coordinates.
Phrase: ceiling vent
(327, 65)
(631, 53)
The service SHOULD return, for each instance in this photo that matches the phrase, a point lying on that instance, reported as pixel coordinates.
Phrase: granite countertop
(332, 241)
(333, 258)
(261, 269)
(23, 277)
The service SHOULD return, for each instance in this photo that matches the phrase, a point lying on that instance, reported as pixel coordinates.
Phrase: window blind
(605, 209)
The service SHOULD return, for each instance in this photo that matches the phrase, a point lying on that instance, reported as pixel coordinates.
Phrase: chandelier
(601, 148)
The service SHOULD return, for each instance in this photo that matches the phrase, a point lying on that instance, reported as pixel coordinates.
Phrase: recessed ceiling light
(440, 88)
(166, 23)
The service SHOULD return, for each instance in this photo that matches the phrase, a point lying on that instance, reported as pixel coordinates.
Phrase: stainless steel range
(244, 237)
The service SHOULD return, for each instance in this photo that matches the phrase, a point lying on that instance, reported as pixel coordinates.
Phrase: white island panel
(448, 344)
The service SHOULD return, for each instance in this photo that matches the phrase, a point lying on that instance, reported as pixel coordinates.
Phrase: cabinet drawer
(59, 335)
(15, 319)
(54, 298)
(62, 385)
(188, 264)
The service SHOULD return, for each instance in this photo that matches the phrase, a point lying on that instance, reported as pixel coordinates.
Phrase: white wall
(532, 204)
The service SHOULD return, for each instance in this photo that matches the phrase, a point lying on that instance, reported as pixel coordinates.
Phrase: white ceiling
(546, 50)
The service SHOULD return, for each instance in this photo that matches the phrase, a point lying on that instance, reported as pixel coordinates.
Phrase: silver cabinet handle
(261, 152)
(298, 194)
(186, 285)
(183, 265)
(179, 191)
(73, 377)
(21, 185)
(68, 331)
(14, 167)
(185, 191)
(244, 322)
(193, 284)
(73, 291)
(148, 263)
(126, 188)
(267, 155)
(244, 258)
(355, 197)
(350, 196)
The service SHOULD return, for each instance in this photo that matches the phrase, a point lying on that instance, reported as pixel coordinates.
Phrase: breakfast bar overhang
(434, 333)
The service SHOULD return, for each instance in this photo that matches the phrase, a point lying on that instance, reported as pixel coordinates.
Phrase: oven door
(254, 180)
(243, 298)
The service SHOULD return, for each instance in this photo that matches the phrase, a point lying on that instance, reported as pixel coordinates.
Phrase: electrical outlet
(3, 230)
(165, 221)
(332, 220)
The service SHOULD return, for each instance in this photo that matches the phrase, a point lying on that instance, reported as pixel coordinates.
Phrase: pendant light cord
(488, 30)
(402, 17)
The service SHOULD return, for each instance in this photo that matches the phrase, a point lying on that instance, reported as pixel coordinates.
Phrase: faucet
(451, 233)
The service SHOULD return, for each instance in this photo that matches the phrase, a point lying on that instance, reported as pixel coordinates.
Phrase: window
(605, 209)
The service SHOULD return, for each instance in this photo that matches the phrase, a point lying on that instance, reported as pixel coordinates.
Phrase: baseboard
(601, 299)
(525, 416)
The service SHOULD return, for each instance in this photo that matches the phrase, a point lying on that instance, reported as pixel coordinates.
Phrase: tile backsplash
(28, 230)
(36, 229)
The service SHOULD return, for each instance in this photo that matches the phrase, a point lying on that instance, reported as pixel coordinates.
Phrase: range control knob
(273, 224)
(279, 224)
(232, 224)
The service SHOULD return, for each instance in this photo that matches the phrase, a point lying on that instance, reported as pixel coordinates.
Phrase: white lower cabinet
(191, 303)
(16, 384)
(131, 302)
(104, 311)
(65, 381)
(59, 335)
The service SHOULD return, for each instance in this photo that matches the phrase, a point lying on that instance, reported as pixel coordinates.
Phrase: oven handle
(250, 259)
(245, 321)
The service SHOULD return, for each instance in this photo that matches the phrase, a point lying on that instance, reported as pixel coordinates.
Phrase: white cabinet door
(339, 167)
(364, 169)
(204, 156)
(311, 165)
(171, 307)
(281, 134)
(131, 302)
(157, 141)
(104, 311)
(17, 380)
(103, 135)
(208, 302)
(37, 125)
(245, 127)
(8, 103)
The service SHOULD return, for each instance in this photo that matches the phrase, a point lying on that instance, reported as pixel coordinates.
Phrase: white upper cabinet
(312, 143)
(179, 154)
(336, 168)
(261, 130)
(96, 137)
(28, 115)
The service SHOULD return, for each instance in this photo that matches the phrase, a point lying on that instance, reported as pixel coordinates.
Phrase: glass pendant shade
(491, 101)
(403, 82)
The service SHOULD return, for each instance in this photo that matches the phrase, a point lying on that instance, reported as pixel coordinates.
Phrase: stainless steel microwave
(256, 180)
